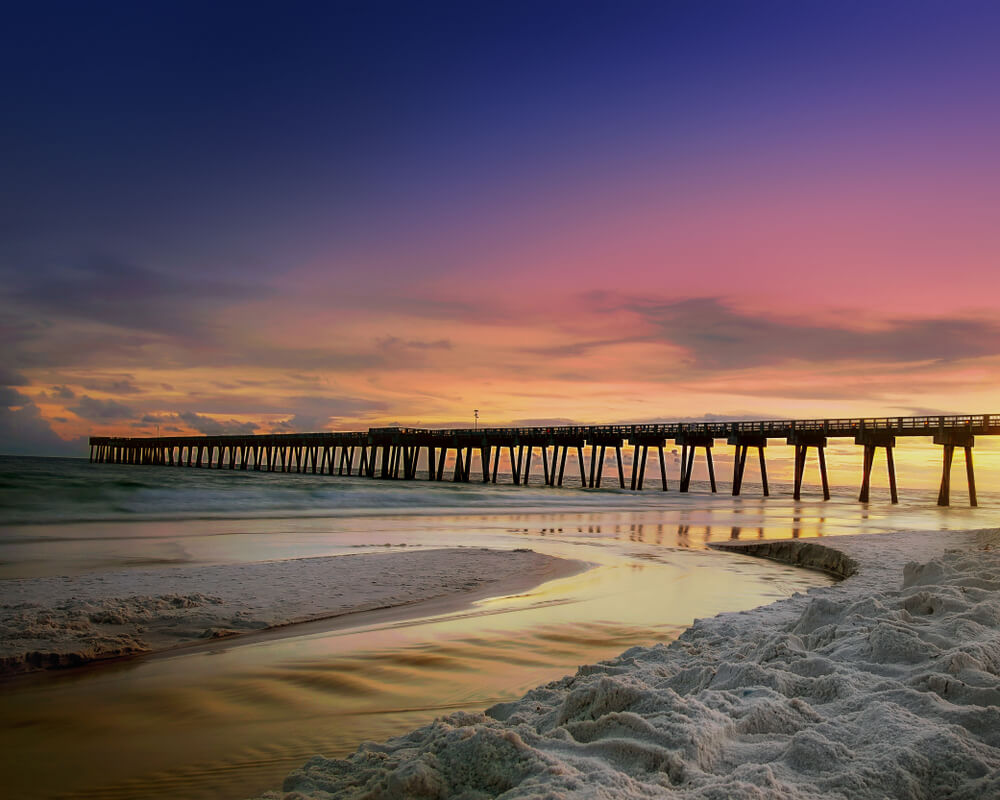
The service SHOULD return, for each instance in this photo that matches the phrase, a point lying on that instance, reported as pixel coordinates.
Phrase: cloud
(113, 292)
(324, 413)
(59, 393)
(736, 416)
(265, 355)
(201, 423)
(396, 343)
(543, 422)
(9, 377)
(93, 408)
(301, 423)
(215, 427)
(303, 414)
(67, 345)
(23, 431)
(574, 349)
(123, 384)
(11, 397)
(718, 337)
(924, 411)
(319, 407)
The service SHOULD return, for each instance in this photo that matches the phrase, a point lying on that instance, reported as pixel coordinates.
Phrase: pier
(395, 453)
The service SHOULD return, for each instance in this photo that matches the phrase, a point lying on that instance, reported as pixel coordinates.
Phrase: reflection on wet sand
(231, 720)
(687, 534)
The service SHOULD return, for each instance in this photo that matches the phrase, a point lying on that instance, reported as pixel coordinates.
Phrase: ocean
(230, 719)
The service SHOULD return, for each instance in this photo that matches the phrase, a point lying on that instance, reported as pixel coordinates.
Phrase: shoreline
(402, 613)
(812, 555)
(882, 685)
(568, 499)
(60, 623)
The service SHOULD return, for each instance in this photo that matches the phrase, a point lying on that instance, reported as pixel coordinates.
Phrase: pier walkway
(394, 453)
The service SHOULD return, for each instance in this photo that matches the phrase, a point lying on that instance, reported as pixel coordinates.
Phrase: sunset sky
(328, 216)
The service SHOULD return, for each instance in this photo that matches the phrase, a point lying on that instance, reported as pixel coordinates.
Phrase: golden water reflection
(232, 720)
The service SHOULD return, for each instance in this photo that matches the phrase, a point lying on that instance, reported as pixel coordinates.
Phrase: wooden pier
(394, 453)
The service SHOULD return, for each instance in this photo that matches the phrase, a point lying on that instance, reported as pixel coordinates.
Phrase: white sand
(65, 621)
(884, 685)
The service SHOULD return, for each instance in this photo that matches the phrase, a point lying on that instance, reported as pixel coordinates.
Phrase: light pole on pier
(476, 412)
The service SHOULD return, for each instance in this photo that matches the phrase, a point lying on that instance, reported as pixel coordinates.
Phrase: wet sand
(230, 718)
(62, 622)
(882, 686)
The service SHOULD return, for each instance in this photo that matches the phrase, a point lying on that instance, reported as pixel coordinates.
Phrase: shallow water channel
(231, 719)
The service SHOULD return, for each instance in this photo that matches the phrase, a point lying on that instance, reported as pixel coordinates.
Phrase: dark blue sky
(254, 132)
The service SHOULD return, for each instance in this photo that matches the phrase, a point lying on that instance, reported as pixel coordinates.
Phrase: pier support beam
(802, 441)
(689, 443)
(871, 441)
(442, 457)
(515, 464)
(639, 455)
(496, 463)
(950, 440)
(598, 455)
(593, 465)
(743, 443)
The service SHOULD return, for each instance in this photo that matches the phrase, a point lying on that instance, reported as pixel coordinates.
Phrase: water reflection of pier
(412, 453)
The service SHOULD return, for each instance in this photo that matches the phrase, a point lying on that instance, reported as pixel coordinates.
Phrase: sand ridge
(884, 685)
(66, 621)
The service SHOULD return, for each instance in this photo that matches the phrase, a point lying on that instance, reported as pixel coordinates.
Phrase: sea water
(230, 719)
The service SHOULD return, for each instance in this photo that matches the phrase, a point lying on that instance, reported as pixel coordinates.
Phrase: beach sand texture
(884, 685)
(67, 621)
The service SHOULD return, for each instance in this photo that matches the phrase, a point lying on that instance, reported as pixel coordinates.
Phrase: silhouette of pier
(394, 453)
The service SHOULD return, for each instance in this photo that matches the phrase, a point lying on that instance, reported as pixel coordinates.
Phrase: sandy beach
(68, 621)
(768, 680)
(882, 685)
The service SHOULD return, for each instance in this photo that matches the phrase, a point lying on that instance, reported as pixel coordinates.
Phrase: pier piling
(802, 441)
(690, 441)
(950, 439)
(871, 441)
(743, 442)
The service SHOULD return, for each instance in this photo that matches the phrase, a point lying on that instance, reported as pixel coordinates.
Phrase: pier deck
(394, 453)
